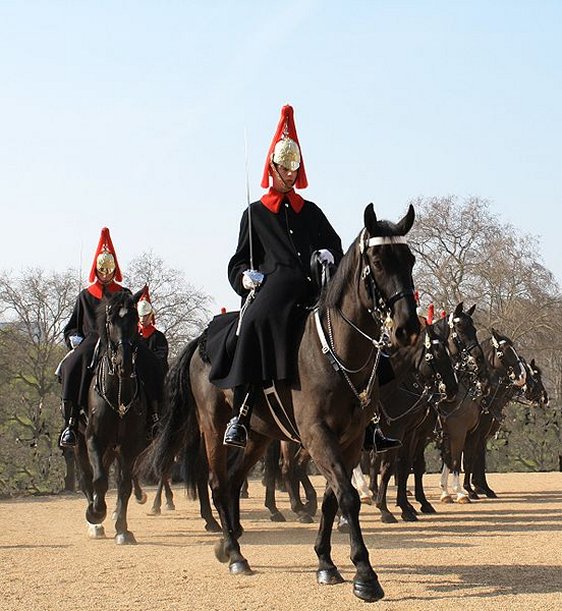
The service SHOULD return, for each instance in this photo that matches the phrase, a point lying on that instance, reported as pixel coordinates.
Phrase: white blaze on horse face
(123, 311)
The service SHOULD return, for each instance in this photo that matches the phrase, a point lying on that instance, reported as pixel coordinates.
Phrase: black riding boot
(236, 433)
(382, 443)
(70, 412)
(153, 419)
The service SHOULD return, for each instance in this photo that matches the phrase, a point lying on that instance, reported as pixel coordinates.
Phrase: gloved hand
(75, 340)
(325, 257)
(252, 279)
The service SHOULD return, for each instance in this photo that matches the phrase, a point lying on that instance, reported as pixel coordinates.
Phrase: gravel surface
(503, 553)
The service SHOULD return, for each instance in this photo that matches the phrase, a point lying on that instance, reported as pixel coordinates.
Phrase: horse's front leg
(326, 453)
(97, 508)
(156, 508)
(123, 536)
(327, 573)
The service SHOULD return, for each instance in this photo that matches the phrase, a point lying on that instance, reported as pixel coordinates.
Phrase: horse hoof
(388, 518)
(343, 527)
(170, 507)
(126, 538)
(447, 499)
(472, 495)
(277, 516)
(329, 577)
(428, 508)
(95, 517)
(305, 518)
(240, 568)
(369, 591)
(143, 498)
(463, 499)
(220, 552)
(155, 511)
(491, 494)
(96, 531)
(408, 516)
(212, 526)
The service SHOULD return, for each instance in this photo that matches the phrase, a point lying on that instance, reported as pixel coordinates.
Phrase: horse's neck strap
(324, 342)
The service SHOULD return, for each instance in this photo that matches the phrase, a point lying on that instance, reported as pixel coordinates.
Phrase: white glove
(75, 340)
(252, 279)
(325, 257)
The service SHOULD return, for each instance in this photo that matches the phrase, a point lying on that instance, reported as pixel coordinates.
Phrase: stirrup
(68, 438)
(236, 434)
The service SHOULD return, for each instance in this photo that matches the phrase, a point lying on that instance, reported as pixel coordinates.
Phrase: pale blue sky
(132, 114)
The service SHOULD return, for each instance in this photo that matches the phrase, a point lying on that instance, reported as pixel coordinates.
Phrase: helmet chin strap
(274, 168)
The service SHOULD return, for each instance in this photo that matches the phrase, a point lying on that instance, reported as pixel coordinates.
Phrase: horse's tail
(179, 426)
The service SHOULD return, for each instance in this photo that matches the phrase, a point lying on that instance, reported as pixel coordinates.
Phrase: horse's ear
(405, 224)
(458, 309)
(370, 219)
(533, 364)
(470, 311)
(138, 295)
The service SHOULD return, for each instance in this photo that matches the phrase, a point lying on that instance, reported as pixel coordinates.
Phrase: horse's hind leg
(271, 465)
(95, 531)
(169, 495)
(140, 495)
(386, 468)
(155, 510)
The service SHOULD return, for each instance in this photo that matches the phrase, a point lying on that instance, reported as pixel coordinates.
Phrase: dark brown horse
(370, 295)
(505, 370)
(511, 379)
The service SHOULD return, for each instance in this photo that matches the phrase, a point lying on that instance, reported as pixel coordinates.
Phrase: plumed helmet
(285, 150)
(105, 258)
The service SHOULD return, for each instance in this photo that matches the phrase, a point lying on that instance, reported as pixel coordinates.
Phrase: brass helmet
(287, 154)
(105, 261)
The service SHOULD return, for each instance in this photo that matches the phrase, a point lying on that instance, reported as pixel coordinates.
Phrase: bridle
(466, 362)
(108, 368)
(380, 309)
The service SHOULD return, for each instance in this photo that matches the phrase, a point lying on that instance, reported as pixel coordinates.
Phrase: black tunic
(282, 247)
(75, 370)
(158, 345)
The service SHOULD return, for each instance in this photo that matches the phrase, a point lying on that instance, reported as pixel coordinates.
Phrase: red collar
(272, 200)
(147, 331)
(96, 289)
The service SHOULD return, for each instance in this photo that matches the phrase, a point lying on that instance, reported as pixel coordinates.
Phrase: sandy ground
(492, 554)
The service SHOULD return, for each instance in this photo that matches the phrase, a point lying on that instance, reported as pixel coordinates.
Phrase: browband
(380, 241)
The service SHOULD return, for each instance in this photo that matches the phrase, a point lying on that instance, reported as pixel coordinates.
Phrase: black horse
(371, 294)
(116, 420)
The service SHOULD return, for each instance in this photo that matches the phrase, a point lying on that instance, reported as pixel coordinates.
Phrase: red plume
(286, 124)
(430, 313)
(105, 240)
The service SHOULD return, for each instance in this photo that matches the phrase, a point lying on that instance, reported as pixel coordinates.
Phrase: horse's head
(534, 389)
(436, 367)
(505, 358)
(387, 264)
(465, 348)
(117, 327)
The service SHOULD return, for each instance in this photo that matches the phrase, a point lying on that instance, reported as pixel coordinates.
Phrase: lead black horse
(371, 294)
(115, 427)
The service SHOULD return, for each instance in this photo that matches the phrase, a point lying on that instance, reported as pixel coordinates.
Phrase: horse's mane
(343, 275)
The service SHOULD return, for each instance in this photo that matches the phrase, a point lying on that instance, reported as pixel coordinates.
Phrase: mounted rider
(81, 337)
(155, 341)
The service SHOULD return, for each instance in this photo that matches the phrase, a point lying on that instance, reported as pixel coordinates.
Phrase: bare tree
(182, 311)
(34, 308)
